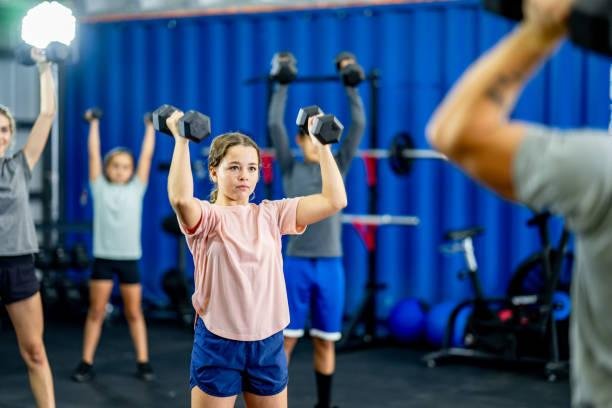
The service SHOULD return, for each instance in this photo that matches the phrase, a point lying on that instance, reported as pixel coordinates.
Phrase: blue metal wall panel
(128, 68)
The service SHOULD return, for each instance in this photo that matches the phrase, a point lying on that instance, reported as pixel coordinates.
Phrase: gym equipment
(515, 328)
(406, 321)
(437, 323)
(284, 67)
(61, 297)
(588, 26)
(193, 125)
(352, 74)
(366, 313)
(326, 128)
(54, 52)
(304, 114)
(92, 113)
(174, 281)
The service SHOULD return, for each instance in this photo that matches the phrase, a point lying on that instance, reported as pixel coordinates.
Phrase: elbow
(339, 204)
(445, 136)
(273, 125)
(48, 113)
(359, 123)
(178, 203)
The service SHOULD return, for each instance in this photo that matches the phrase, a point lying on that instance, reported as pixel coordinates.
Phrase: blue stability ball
(406, 321)
(562, 305)
(437, 320)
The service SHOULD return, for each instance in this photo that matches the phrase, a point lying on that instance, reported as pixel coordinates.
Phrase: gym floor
(390, 377)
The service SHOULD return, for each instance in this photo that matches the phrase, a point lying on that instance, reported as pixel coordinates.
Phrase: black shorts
(105, 269)
(17, 278)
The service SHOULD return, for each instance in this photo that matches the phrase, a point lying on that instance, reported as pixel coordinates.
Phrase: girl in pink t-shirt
(240, 295)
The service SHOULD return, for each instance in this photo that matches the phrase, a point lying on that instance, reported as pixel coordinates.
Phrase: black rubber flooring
(391, 377)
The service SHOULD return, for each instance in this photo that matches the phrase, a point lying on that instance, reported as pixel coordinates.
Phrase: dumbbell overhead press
(589, 21)
(326, 128)
(193, 125)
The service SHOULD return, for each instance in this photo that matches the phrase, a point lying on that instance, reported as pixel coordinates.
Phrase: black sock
(324, 383)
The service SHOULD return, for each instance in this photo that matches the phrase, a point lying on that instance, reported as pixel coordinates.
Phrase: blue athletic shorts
(315, 287)
(222, 367)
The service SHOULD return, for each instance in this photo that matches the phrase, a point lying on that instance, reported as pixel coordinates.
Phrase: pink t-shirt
(239, 284)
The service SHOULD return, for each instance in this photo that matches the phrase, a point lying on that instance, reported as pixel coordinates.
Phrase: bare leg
(132, 296)
(324, 356)
(269, 401)
(99, 293)
(289, 345)
(27, 318)
(199, 399)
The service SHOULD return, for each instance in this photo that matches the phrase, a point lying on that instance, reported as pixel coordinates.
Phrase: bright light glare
(46, 22)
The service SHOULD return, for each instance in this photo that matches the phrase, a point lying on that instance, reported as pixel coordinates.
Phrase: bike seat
(459, 235)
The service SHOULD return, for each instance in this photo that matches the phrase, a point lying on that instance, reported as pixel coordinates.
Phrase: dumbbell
(92, 113)
(194, 125)
(352, 74)
(589, 21)
(54, 52)
(284, 67)
(326, 128)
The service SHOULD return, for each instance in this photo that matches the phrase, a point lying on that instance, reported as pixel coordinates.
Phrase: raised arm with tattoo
(471, 126)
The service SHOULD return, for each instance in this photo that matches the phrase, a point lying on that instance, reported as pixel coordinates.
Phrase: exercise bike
(516, 328)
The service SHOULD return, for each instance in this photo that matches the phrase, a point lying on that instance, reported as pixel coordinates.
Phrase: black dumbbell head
(590, 25)
(512, 9)
(160, 115)
(57, 52)
(341, 56)
(194, 126)
(304, 114)
(23, 54)
(284, 67)
(327, 129)
(92, 113)
(352, 75)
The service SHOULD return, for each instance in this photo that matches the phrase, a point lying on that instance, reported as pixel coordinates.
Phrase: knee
(33, 353)
(96, 313)
(324, 347)
(133, 315)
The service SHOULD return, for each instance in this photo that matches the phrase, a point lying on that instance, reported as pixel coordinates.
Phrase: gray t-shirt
(117, 210)
(570, 173)
(17, 233)
(300, 178)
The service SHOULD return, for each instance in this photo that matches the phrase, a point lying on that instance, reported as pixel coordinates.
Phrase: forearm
(276, 127)
(148, 144)
(93, 139)
(483, 98)
(180, 178)
(332, 183)
(48, 104)
(350, 141)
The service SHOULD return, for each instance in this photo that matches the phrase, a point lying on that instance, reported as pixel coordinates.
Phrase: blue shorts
(222, 367)
(315, 287)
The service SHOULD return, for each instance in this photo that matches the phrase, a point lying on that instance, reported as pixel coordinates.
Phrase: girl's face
(120, 168)
(236, 176)
(5, 134)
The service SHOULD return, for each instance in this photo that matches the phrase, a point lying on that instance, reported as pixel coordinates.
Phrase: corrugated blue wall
(127, 68)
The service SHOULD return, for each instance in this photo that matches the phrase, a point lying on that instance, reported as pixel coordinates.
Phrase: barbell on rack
(401, 153)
